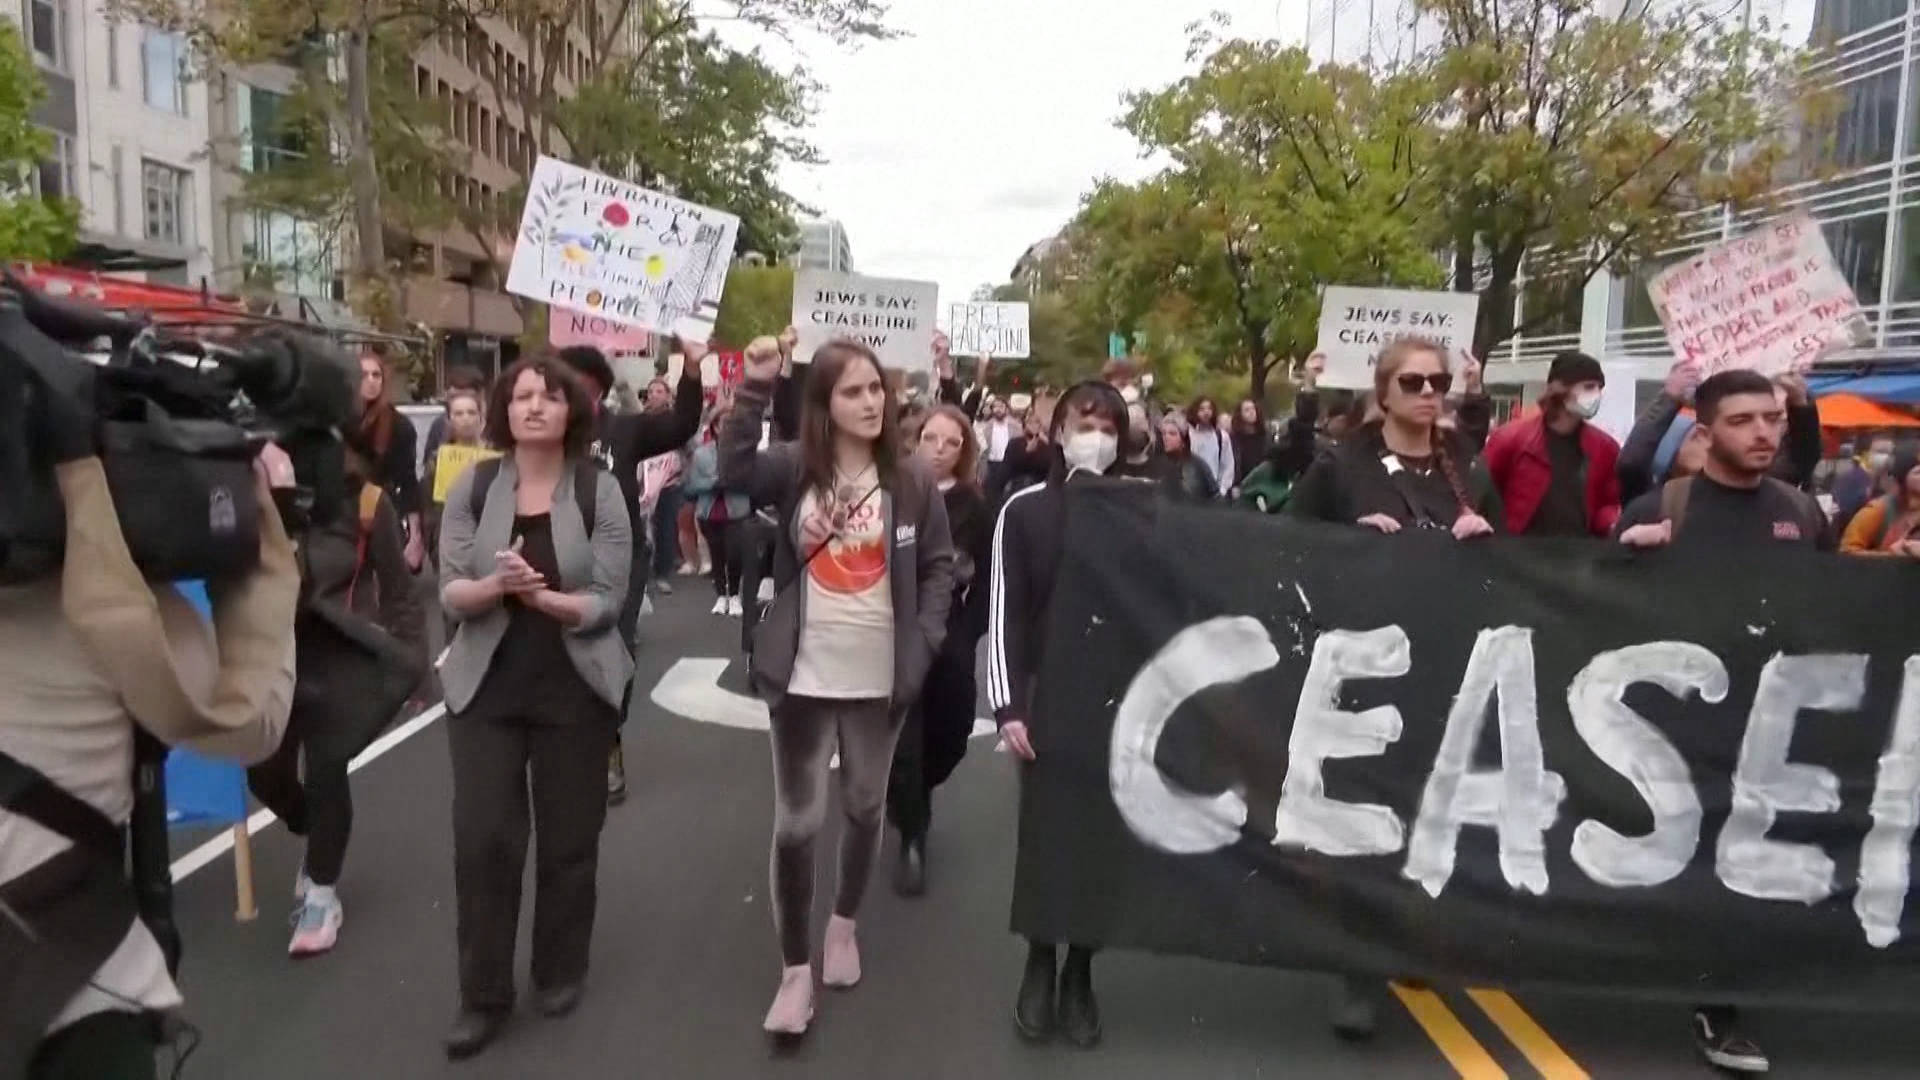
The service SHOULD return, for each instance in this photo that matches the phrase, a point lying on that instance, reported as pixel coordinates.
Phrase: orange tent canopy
(1849, 411)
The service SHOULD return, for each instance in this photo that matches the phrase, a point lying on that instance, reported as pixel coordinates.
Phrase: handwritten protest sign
(566, 328)
(893, 318)
(984, 328)
(451, 462)
(1771, 300)
(1356, 323)
(601, 246)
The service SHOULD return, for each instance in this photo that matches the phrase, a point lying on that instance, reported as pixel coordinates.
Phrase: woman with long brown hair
(1403, 468)
(864, 571)
(938, 726)
(390, 440)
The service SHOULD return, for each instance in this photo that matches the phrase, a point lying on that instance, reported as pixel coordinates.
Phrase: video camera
(176, 421)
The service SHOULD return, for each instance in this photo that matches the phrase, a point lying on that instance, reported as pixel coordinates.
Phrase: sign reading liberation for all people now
(1692, 775)
(893, 318)
(1771, 300)
(601, 246)
(1356, 323)
(987, 328)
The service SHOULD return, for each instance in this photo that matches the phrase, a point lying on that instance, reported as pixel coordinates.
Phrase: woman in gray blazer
(535, 550)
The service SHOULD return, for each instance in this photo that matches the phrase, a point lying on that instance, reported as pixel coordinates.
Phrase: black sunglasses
(1411, 383)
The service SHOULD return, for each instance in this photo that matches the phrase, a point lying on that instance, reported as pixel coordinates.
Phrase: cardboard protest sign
(1356, 323)
(986, 328)
(565, 328)
(601, 246)
(893, 318)
(451, 462)
(1771, 300)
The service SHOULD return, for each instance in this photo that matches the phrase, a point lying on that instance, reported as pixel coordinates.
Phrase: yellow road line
(1461, 1049)
(1532, 1039)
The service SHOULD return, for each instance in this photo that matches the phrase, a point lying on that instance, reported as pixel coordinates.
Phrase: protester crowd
(894, 539)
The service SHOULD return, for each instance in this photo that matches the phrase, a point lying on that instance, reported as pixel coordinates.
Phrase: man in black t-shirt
(1732, 502)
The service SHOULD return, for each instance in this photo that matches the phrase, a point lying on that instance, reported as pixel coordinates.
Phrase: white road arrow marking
(691, 689)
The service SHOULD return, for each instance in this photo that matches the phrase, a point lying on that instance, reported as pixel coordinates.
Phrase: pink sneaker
(316, 926)
(840, 959)
(792, 1009)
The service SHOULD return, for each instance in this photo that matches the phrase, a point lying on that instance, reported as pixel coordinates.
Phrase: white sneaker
(316, 926)
(766, 589)
(720, 606)
(301, 884)
(733, 607)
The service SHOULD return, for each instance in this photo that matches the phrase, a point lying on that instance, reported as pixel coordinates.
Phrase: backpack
(1674, 495)
(586, 489)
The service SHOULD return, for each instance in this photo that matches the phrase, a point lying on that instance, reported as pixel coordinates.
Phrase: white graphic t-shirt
(846, 634)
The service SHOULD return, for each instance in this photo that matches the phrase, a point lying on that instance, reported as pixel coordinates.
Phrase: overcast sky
(951, 150)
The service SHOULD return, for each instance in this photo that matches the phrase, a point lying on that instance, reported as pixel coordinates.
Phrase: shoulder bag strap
(26, 791)
(1673, 502)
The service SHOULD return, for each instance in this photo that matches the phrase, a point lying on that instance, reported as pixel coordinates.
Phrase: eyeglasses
(1411, 383)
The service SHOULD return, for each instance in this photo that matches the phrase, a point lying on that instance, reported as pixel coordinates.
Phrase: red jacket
(1516, 455)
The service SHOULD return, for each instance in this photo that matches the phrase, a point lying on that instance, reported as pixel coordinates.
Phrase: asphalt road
(684, 958)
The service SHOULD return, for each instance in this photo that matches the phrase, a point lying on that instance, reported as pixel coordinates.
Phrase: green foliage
(1573, 141)
(30, 227)
(1065, 348)
(758, 301)
(1283, 178)
(713, 123)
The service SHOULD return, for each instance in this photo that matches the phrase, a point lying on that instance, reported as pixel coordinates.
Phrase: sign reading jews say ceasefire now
(1356, 323)
(1770, 300)
(893, 318)
(601, 246)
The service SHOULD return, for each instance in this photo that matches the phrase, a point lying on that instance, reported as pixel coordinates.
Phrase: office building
(823, 246)
(130, 139)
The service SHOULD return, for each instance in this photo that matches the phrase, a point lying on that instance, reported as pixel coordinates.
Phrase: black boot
(472, 1031)
(1033, 1010)
(1079, 1009)
(910, 873)
(1355, 1014)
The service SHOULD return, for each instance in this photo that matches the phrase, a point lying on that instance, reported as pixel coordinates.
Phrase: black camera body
(177, 425)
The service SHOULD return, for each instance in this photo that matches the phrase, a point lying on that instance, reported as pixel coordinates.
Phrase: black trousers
(932, 742)
(320, 807)
(104, 1046)
(509, 777)
(724, 540)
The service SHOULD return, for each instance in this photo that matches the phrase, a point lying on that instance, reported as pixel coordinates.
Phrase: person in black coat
(1403, 470)
(1089, 426)
(935, 735)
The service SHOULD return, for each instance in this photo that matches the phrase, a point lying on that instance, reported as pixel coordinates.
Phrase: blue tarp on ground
(201, 791)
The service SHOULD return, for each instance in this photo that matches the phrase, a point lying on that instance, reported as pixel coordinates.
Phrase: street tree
(1283, 177)
(30, 227)
(1571, 139)
(758, 301)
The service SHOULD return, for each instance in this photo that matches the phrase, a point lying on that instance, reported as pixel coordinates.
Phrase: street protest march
(893, 318)
(600, 246)
(1356, 323)
(1281, 743)
(1771, 300)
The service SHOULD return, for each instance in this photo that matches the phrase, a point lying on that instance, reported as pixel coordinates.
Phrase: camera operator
(85, 658)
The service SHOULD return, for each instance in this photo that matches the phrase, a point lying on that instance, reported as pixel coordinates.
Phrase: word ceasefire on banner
(1278, 742)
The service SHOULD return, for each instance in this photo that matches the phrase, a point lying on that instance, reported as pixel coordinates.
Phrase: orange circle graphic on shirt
(849, 568)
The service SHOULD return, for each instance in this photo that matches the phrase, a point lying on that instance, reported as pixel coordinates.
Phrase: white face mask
(1090, 450)
(1586, 406)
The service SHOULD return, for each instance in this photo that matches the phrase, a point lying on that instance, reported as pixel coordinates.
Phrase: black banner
(1507, 761)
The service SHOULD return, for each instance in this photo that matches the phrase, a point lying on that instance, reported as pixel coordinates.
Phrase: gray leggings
(804, 731)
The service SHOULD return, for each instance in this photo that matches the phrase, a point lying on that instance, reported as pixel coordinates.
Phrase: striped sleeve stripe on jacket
(999, 683)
